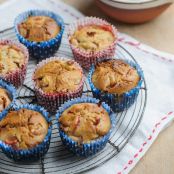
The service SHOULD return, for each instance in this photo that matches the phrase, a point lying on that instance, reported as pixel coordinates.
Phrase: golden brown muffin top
(4, 99)
(58, 76)
(92, 38)
(39, 28)
(23, 129)
(85, 122)
(115, 76)
(11, 58)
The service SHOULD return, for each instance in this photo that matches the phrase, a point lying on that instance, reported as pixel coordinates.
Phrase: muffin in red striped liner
(57, 80)
(13, 62)
(92, 39)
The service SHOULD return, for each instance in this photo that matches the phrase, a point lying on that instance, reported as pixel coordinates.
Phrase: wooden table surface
(159, 34)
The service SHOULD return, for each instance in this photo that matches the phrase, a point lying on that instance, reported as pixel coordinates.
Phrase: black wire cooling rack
(58, 159)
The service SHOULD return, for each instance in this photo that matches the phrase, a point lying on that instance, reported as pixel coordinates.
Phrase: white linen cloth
(159, 72)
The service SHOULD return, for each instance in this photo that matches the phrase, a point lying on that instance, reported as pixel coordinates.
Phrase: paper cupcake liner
(36, 152)
(85, 58)
(16, 77)
(52, 101)
(12, 94)
(117, 102)
(40, 50)
(86, 149)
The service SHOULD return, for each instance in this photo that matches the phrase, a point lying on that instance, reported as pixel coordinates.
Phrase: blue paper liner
(117, 102)
(40, 50)
(12, 94)
(86, 149)
(33, 153)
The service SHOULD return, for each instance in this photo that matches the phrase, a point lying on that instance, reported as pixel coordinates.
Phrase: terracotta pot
(132, 15)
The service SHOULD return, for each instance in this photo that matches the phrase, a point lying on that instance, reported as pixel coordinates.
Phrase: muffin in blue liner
(93, 146)
(36, 152)
(118, 102)
(11, 94)
(43, 49)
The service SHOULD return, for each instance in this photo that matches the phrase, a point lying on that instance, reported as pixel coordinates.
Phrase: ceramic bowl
(133, 11)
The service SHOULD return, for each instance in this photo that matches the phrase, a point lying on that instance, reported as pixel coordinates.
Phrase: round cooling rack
(58, 159)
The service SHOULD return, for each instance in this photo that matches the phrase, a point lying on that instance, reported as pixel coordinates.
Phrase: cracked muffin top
(92, 37)
(84, 122)
(39, 28)
(115, 76)
(4, 99)
(58, 76)
(23, 129)
(11, 58)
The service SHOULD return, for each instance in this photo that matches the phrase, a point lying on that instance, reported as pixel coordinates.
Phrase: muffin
(85, 122)
(117, 82)
(25, 132)
(92, 39)
(41, 31)
(115, 76)
(85, 125)
(7, 97)
(13, 62)
(39, 28)
(57, 80)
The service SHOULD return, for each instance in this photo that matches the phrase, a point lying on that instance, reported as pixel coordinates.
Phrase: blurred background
(157, 33)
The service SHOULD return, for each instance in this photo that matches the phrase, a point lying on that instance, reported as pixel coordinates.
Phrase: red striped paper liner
(16, 77)
(86, 58)
(52, 101)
